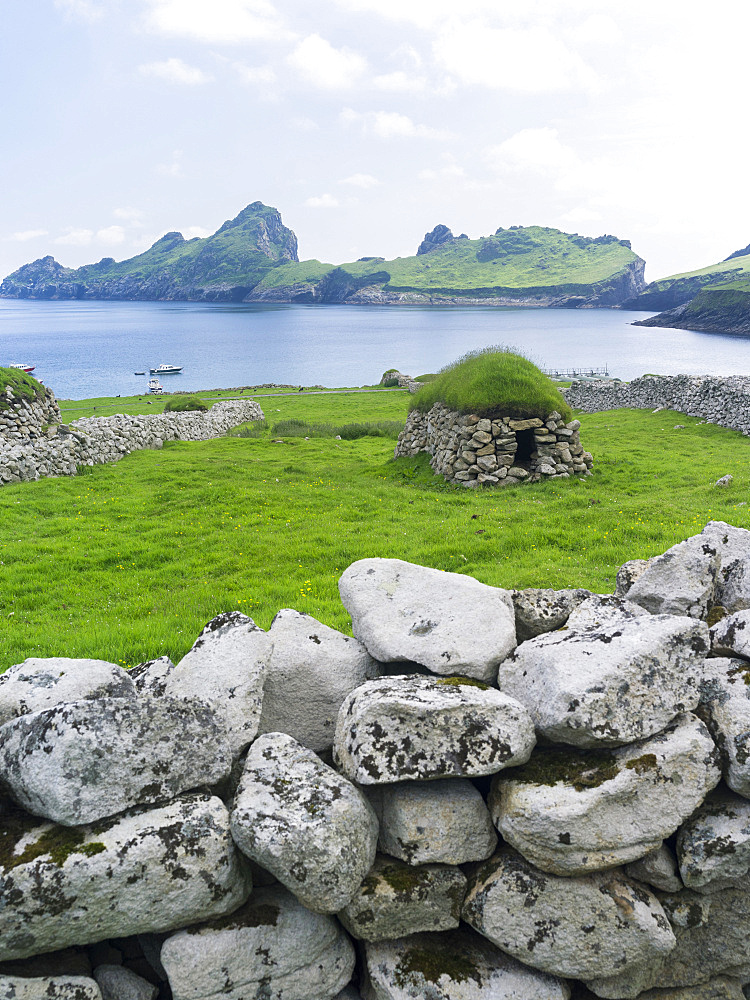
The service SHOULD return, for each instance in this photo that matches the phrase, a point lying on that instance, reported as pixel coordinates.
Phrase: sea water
(85, 349)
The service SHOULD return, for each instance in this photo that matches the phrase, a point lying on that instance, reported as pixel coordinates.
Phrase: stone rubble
(34, 442)
(208, 829)
(471, 450)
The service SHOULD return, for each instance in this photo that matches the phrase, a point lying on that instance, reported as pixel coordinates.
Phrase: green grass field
(128, 561)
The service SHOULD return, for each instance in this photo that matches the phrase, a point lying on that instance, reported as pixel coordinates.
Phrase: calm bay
(84, 349)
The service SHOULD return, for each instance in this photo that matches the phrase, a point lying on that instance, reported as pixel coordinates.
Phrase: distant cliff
(224, 267)
(520, 266)
(714, 299)
(253, 258)
(716, 309)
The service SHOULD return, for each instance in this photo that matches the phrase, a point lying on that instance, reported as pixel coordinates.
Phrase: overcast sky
(367, 122)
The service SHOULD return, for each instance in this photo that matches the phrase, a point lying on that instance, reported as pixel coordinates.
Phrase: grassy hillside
(513, 259)
(677, 289)
(236, 256)
(129, 560)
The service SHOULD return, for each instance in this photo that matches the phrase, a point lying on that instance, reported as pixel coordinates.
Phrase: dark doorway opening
(526, 445)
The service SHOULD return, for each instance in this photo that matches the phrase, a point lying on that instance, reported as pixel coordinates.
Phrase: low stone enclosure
(722, 400)
(502, 450)
(526, 795)
(35, 443)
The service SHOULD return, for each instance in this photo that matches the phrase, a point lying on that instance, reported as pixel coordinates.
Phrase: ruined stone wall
(473, 450)
(34, 443)
(529, 794)
(723, 400)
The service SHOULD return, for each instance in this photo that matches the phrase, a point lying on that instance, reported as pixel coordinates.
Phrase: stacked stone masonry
(483, 794)
(723, 400)
(35, 443)
(497, 451)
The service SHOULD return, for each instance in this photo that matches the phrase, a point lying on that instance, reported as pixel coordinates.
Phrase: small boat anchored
(165, 370)
(154, 385)
(20, 367)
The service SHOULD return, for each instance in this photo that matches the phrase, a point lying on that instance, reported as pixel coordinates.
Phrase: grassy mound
(493, 382)
(21, 383)
(180, 404)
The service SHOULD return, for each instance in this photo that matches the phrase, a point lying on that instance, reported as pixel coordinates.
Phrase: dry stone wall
(35, 443)
(723, 400)
(504, 450)
(533, 795)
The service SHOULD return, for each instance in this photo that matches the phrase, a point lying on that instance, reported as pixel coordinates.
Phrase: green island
(128, 561)
(253, 258)
(714, 299)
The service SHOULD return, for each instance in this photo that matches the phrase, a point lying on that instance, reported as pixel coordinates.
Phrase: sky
(368, 122)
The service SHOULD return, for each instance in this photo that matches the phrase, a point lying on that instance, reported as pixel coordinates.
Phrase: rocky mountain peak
(439, 235)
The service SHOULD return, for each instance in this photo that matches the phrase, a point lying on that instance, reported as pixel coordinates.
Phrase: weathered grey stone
(658, 868)
(713, 847)
(310, 672)
(270, 948)
(226, 667)
(82, 761)
(574, 927)
(721, 988)
(449, 623)
(118, 983)
(40, 683)
(539, 610)
(453, 965)
(733, 582)
(304, 823)
(572, 813)
(151, 677)
(611, 685)
(731, 636)
(603, 609)
(415, 728)
(395, 900)
(713, 939)
(445, 821)
(725, 704)
(49, 988)
(145, 871)
(681, 581)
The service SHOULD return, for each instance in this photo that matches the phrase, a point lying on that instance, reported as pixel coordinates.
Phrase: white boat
(23, 368)
(166, 370)
(154, 385)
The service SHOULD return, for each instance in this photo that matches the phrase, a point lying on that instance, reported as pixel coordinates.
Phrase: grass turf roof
(21, 383)
(493, 382)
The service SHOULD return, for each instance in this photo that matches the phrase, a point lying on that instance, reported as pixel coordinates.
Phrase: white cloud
(361, 181)
(318, 62)
(538, 150)
(399, 81)
(111, 235)
(173, 169)
(390, 125)
(75, 237)
(86, 10)
(450, 172)
(175, 71)
(323, 201)
(265, 75)
(304, 124)
(130, 216)
(200, 231)
(28, 234)
(580, 216)
(528, 60)
(220, 21)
